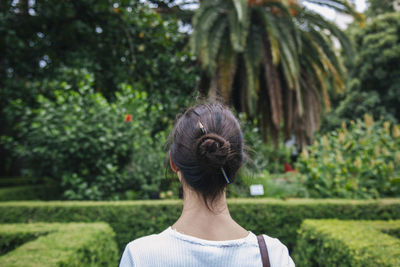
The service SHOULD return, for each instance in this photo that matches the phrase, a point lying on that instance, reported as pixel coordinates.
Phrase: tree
(374, 86)
(274, 60)
(118, 41)
(377, 7)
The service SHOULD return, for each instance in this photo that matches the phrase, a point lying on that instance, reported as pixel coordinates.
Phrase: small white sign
(256, 190)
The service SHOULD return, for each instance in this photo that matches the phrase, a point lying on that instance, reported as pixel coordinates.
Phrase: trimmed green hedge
(15, 181)
(29, 192)
(348, 243)
(132, 219)
(54, 244)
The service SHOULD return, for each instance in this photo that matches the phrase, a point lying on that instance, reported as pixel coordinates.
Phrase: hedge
(132, 219)
(29, 192)
(15, 181)
(348, 243)
(55, 244)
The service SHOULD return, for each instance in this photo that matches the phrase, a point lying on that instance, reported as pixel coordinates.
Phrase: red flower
(128, 118)
(288, 168)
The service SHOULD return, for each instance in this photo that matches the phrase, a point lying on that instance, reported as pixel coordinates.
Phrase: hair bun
(212, 150)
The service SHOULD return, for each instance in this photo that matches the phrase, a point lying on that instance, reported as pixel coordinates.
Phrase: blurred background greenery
(89, 91)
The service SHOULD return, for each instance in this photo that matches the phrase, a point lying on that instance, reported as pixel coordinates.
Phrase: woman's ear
(172, 164)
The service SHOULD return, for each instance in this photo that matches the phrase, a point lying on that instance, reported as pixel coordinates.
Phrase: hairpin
(203, 131)
(226, 176)
(202, 128)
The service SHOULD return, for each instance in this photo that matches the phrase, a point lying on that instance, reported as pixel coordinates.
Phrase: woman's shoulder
(143, 247)
(278, 252)
(147, 241)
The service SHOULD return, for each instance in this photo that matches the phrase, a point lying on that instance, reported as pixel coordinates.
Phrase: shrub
(30, 192)
(347, 243)
(121, 41)
(58, 245)
(94, 148)
(133, 219)
(15, 181)
(283, 185)
(362, 161)
(263, 156)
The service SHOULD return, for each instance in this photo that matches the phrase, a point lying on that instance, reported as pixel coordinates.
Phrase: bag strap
(263, 251)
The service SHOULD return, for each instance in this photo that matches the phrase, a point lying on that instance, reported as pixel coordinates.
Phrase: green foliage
(378, 7)
(131, 220)
(121, 41)
(30, 192)
(272, 60)
(262, 156)
(118, 41)
(14, 181)
(88, 144)
(379, 55)
(265, 165)
(74, 244)
(375, 78)
(347, 243)
(283, 185)
(362, 161)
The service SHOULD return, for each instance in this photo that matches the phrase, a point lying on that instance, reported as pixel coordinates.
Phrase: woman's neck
(210, 223)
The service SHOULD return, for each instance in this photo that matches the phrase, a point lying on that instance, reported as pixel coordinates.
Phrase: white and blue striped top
(173, 249)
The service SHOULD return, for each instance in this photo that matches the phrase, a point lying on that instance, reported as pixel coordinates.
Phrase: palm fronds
(280, 58)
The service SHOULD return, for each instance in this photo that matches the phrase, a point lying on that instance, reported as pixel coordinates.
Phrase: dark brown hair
(200, 154)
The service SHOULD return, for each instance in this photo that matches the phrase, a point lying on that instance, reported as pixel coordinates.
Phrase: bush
(263, 156)
(117, 41)
(131, 220)
(30, 192)
(347, 243)
(58, 245)
(95, 148)
(15, 181)
(284, 185)
(362, 161)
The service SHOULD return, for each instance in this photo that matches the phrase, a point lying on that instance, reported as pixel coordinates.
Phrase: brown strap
(264, 251)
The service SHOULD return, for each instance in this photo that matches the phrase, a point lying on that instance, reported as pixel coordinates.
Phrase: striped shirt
(171, 248)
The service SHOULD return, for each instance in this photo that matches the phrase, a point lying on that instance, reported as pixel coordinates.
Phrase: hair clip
(202, 128)
(226, 176)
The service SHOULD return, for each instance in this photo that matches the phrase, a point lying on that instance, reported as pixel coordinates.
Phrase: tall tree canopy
(116, 40)
(272, 59)
(378, 7)
(374, 85)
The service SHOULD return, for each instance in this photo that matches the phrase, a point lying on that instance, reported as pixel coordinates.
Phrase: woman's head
(207, 141)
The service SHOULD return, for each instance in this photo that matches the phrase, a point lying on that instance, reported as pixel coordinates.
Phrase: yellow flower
(377, 151)
(396, 131)
(358, 163)
(397, 157)
(386, 126)
(344, 126)
(372, 162)
(339, 158)
(368, 120)
(325, 141)
(341, 137)
(304, 153)
(391, 166)
(325, 159)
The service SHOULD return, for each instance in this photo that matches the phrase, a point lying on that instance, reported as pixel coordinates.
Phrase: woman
(206, 152)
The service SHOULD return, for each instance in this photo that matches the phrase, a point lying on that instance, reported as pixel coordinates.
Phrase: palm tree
(273, 59)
